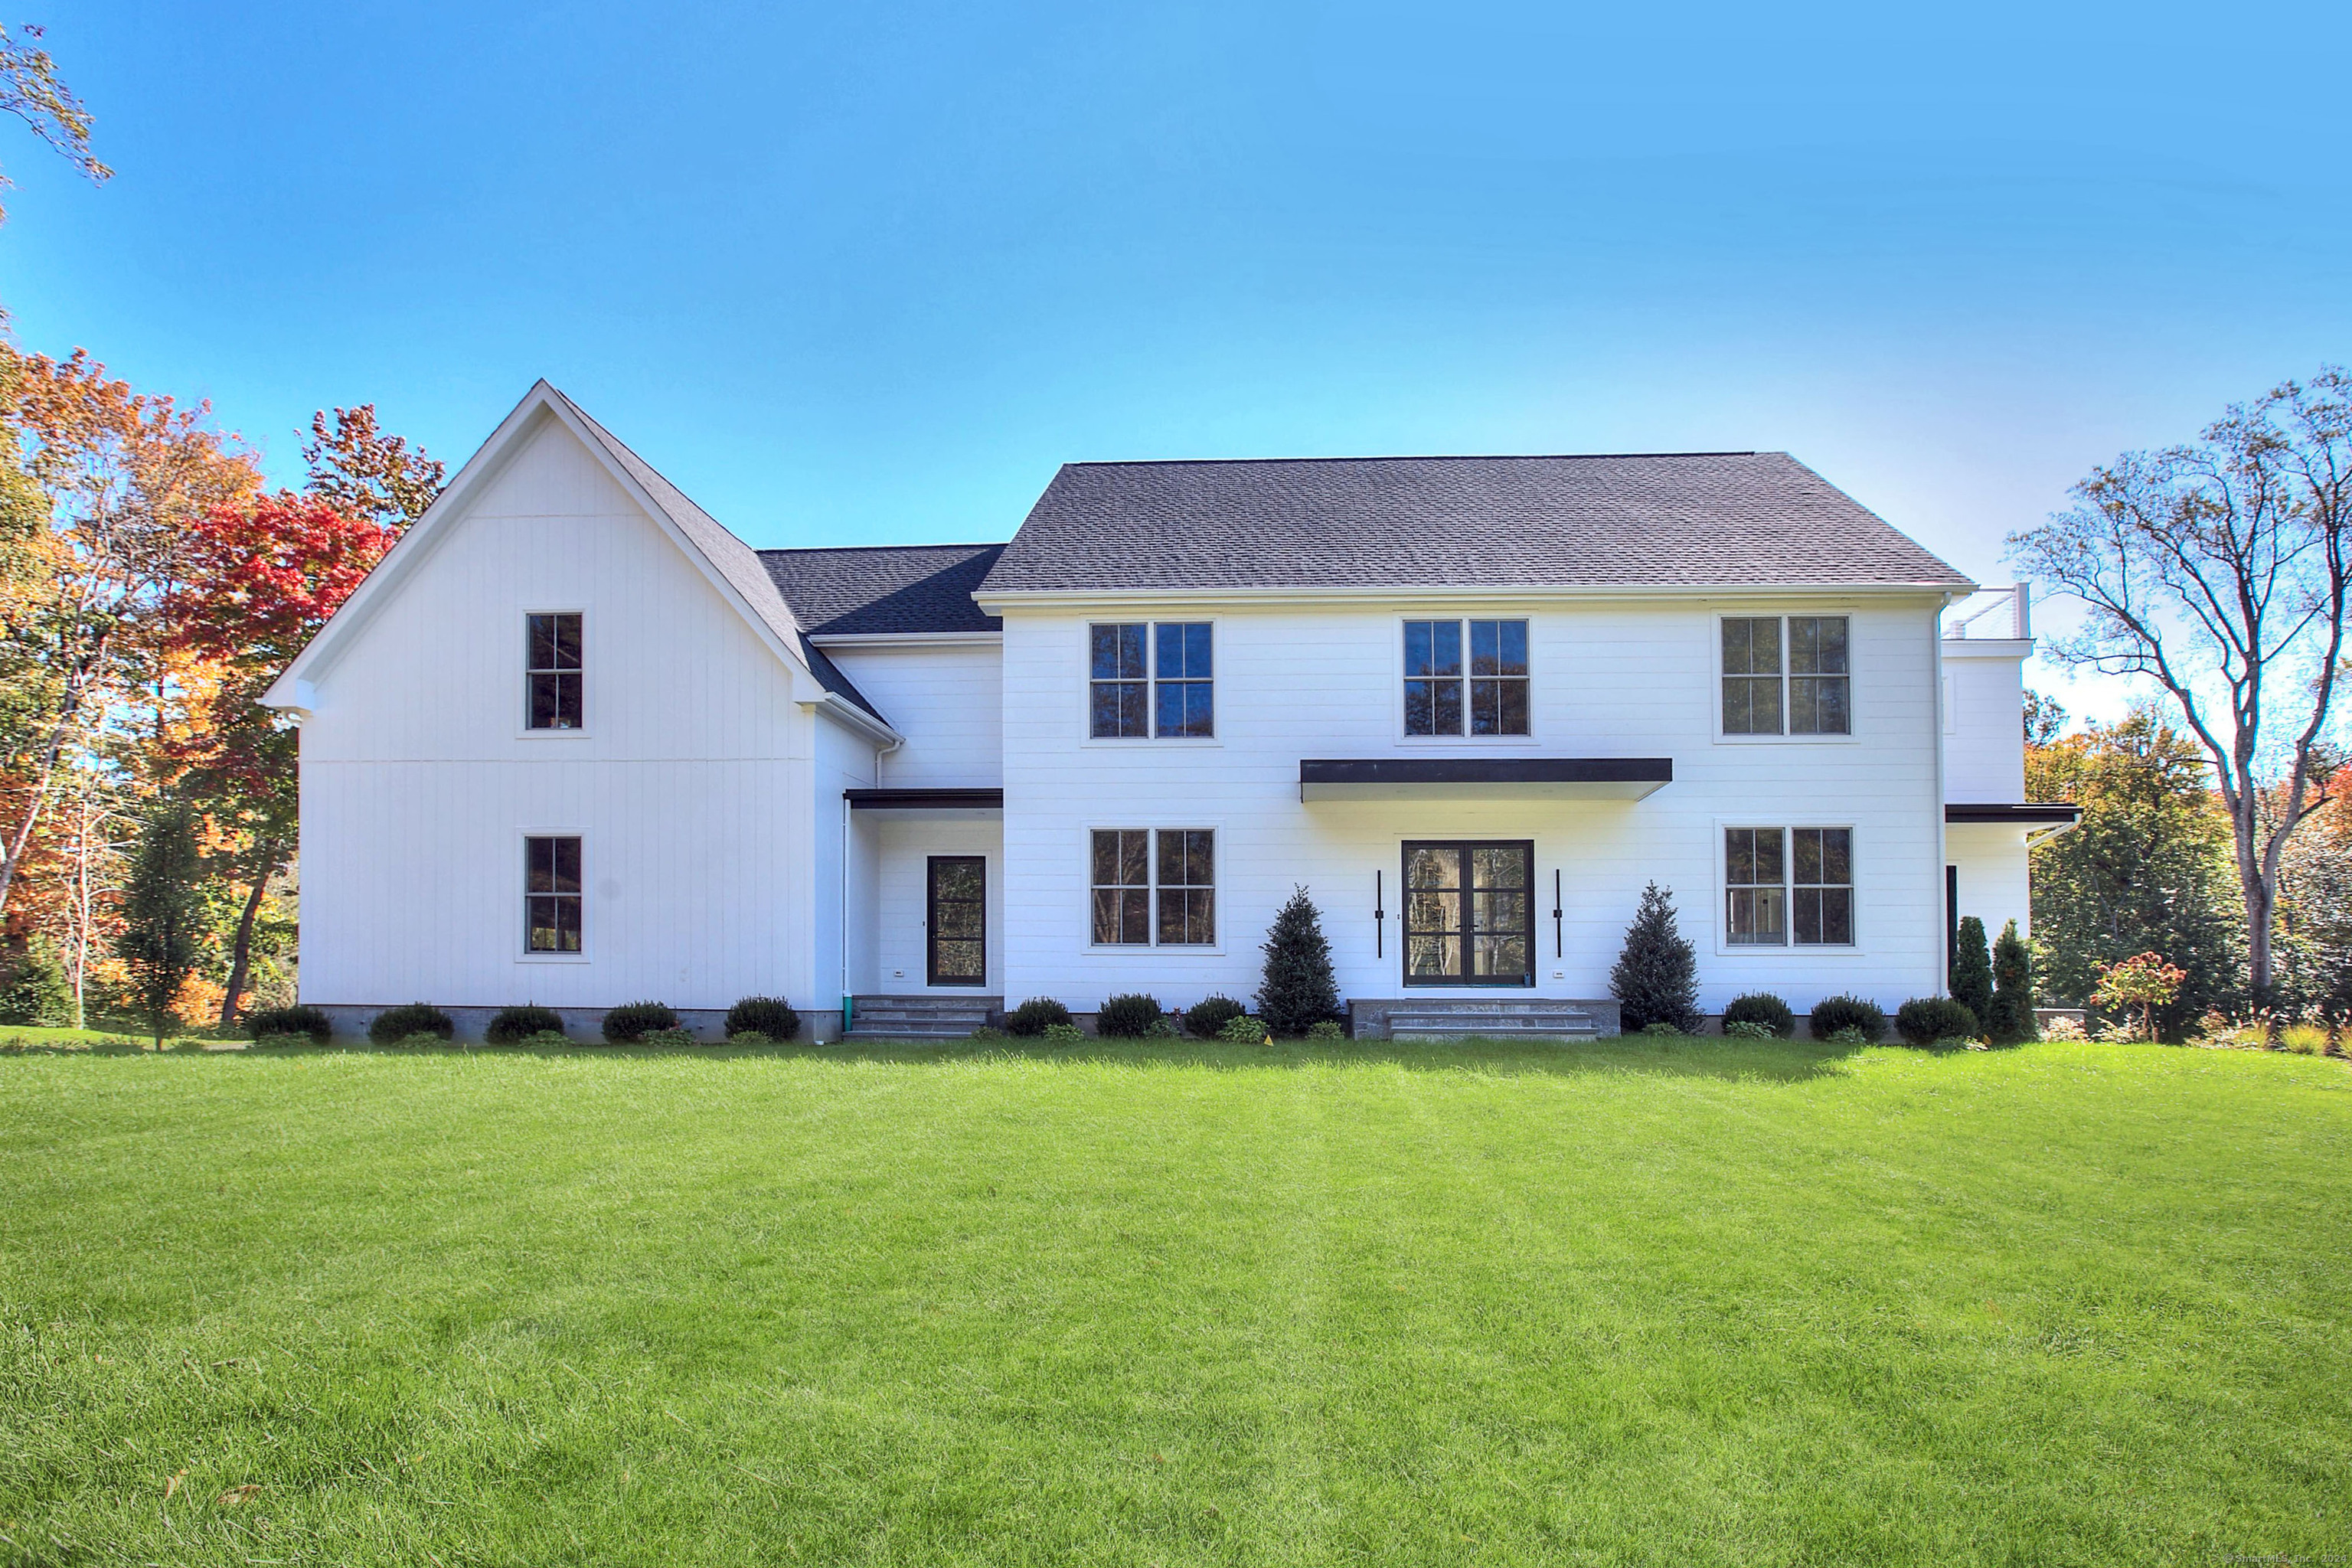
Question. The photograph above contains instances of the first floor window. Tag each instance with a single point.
(551, 894)
(1469, 917)
(1784, 884)
(554, 666)
(1169, 870)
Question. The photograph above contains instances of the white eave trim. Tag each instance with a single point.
(1000, 601)
(850, 716)
(832, 640)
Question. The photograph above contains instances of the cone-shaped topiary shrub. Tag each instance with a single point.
(514, 1024)
(1656, 977)
(1127, 1017)
(1298, 989)
(1866, 1018)
(768, 1016)
(2011, 1020)
(1760, 1007)
(633, 1021)
(1210, 1015)
(1972, 969)
(395, 1025)
(263, 1022)
(1029, 1019)
(1924, 1020)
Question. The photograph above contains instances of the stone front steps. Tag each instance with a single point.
(919, 1018)
(1530, 1019)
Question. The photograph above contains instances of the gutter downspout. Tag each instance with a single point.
(848, 1008)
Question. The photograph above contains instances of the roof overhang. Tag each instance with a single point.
(1483, 778)
(996, 601)
(2026, 814)
(935, 799)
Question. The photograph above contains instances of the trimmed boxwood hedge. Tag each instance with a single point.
(263, 1022)
(1208, 1018)
(633, 1021)
(395, 1025)
(1832, 1013)
(1761, 1007)
(768, 1016)
(1127, 1017)
(513, 1024)
(1029, 1019)
(1924, 1020)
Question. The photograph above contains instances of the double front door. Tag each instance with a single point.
(1469, 912)
(955, 924)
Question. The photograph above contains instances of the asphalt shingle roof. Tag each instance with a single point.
(888, 588)
(1695, 518)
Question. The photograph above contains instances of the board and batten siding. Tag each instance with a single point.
(690, 783)
(1609, 678)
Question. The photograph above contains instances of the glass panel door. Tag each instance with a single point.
(1469, 913)
(957, 926)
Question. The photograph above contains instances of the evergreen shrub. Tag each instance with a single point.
(1924, 1020)
(631, 1021)
(1033, 1017)
(400, 1025)
(1127, 1017)
(1208, 1018)
(1832, 1015)
(312, 1022)
(1760, 1007)
(1972, 970)
(1656, 977)
(513, 1025)
(2011, 1020)
(1298, 989)
(770, 1015)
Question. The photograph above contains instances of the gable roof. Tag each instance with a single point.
(1668, 519)
(893, 588)
(731, 564)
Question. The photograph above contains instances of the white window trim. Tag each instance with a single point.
(1720, 918)
(521, 895)
(1155, 946)
(1853, 680)
(587, 672)
(1534, 736)
(1086, 737)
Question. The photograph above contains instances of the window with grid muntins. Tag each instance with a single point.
(1118, 681)
(1469, 916)
(551, 895)
(553, 661)
(1155, 886)
(1147, 678)
(1490, 697)
(1184, 693)
(1802, 686)
(1789, 885)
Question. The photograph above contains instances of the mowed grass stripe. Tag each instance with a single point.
(1632, 1302)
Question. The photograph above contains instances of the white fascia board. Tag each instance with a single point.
(850, 716)
(1003, 601)
(1986, 647)
(832, 640)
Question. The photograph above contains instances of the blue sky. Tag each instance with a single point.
(866, 275)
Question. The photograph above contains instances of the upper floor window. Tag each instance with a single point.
(1485, 695)
(1784, 884)
(1145, 678)
(1786, 675)
(554, 666)
(551, 894)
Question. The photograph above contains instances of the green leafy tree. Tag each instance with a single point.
(163, 912)
(1972, 968)
(2147, 868)
(1656, 977)
(1298, 990)
(2011, 1018)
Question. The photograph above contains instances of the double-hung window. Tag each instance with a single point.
(1483, 694)
(550, 895)
(552, 667)
(1155, 886)
(1787, 676)
(1147, 678)
(1788, 884)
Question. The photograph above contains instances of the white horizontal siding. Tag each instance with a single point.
(1608, 681)
(1984, 733)
(1995, 883)
(946, 702)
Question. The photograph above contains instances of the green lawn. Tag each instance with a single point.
(1654, 1302)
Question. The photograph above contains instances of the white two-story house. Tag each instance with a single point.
(574, 743)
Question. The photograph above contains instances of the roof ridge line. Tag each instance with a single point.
(843, 549)
(1416, 457)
